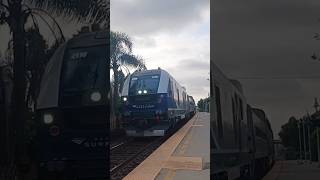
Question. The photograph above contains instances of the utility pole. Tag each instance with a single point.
(308, 121)
(300, 148)
(304, 138)
(316, 104)
(309, 138)
(318, 145)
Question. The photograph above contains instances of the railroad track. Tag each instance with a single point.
(125, 157)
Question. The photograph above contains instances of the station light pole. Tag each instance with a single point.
(316, 106)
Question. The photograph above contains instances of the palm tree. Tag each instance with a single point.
(16, 13)
(121, 57)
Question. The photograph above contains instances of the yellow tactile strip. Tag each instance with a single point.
(187, 163)
(150, 167)
(197, 125)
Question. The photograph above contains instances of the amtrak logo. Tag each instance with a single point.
(143, 106)
(92, 143)
(78, 140)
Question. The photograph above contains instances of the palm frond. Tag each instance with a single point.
(3, 12)
(55, 25)
(92, 11)
(132, 60)
(120, 42)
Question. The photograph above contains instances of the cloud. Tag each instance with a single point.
(140, 17)
(194, 64)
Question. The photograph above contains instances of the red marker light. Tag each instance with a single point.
(54, 130)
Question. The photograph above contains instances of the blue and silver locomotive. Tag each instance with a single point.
(153, 102)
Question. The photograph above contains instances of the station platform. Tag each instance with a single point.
(184, 156)
(292, 170)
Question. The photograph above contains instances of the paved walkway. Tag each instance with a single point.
(292, 170)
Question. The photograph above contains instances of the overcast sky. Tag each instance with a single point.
(171, 34)
(270, 39)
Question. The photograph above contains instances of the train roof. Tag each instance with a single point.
(259, 112)
(218, 73)
(89, 39)
(148, 72)
(237, 84)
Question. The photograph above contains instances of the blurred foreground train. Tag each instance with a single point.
(73, 110)
(241, 136)
(153, 102)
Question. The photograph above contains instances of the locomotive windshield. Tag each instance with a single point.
(84, 68)
(147, 84)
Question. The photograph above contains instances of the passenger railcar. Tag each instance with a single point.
(192, 106)
(153, 102)
(73, 109)
(263, 137)
(241, 136)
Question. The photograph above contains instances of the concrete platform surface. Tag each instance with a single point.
(196, 144)
(184, 156)
(292, 170)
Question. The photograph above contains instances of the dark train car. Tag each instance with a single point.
(153, 102)
(263, 138)
(191, 106)
(235, 130)
(73, 109)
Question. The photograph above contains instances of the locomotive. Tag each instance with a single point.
(153, 102)
(73, 109)
(241, 136)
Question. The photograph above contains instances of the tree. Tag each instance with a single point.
(289, 134)
(121, 57)
(36, 60)
(200, 104)
(203, 104)
(16, 13)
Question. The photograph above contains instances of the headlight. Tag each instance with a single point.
(145, 91)
(125, 99)
(139, 92)
(95, 96)
(48, 118)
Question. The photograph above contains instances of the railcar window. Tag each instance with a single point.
(146, 84)
(170, 88)
(241, 109)
(260, 133)
(184, 99)
(84, 68)
(178, 96)
(219, 113)
(234, 115)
